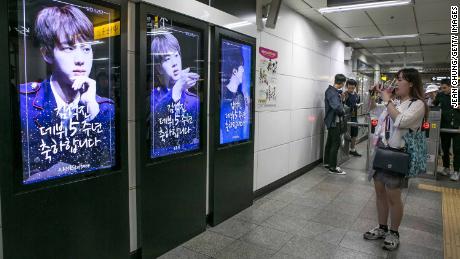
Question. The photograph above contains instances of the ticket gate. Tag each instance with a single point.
(433, 142)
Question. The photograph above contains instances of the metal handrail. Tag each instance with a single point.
(359, 124)
(450, 130)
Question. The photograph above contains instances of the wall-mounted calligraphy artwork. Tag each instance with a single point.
(175, 66)
(267, 85)
(67, 83)
(235, 100)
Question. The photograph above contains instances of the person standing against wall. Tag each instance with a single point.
(352, 100)
(333, 113)
(450, 119)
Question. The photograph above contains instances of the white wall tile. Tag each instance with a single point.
(300, 154)
(273, 129)
(303, 93)
(300, 124)
(302, 65)
(272, 164)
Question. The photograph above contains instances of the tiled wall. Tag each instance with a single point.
(290, 135)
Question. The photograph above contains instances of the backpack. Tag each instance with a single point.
(416, 146)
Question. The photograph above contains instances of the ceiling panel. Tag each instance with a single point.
(316, 3)
(350, 19)
(442, 26)
(437, 47)
(433, 10)
(374, 43)
(362, 31)
(408, 27)
(435, 39)
(436, 59)
(296, 4)
(393, 15)
(404, 42)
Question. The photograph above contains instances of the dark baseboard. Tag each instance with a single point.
(278, 183)
(137, 254)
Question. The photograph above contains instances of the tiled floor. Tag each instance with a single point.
(322, 216)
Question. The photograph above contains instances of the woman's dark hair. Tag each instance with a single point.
(412, 76)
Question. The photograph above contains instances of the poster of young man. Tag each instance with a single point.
(175, 77)
(235, 102)
(67, 127)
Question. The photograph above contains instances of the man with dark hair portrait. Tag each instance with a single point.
(234, 115)
(66, 127)
(174, 108)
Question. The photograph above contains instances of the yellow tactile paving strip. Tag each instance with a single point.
(450, 218)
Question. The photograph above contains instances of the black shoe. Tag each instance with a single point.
(354, 153)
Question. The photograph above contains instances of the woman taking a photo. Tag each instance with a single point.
(399, 118)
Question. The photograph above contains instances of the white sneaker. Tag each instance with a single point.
(454, 176)
(445, 171)
(337, 170)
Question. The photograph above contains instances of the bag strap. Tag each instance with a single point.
(387, 127)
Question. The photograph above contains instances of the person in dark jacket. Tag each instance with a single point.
(352, 100)
(333, 112)
(450, 119)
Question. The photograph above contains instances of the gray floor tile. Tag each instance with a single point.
(434, 204)
(425, 194)
(284, 196)
(409, 251)
(304, 212)
(269, 205)
(208, 243)
(333, 236)
(369, 211)
(420, 238)
(354, 197)
(285, 223)
(280, 255)
(267, 237)
(345, 253)
(239, 249)
(254, 215)
(313, 229)
(183, 253)
(321, 194)
(308, 248)
(434, 215)
(354, 240)
(422, 224)
(352, 209)
(311, 201)
(335, 219)
(234, 228)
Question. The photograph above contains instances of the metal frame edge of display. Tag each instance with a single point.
(51, 199)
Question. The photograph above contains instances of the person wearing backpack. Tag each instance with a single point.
(399, 121)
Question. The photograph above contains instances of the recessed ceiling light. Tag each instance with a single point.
(352, 7)
(387, 37)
